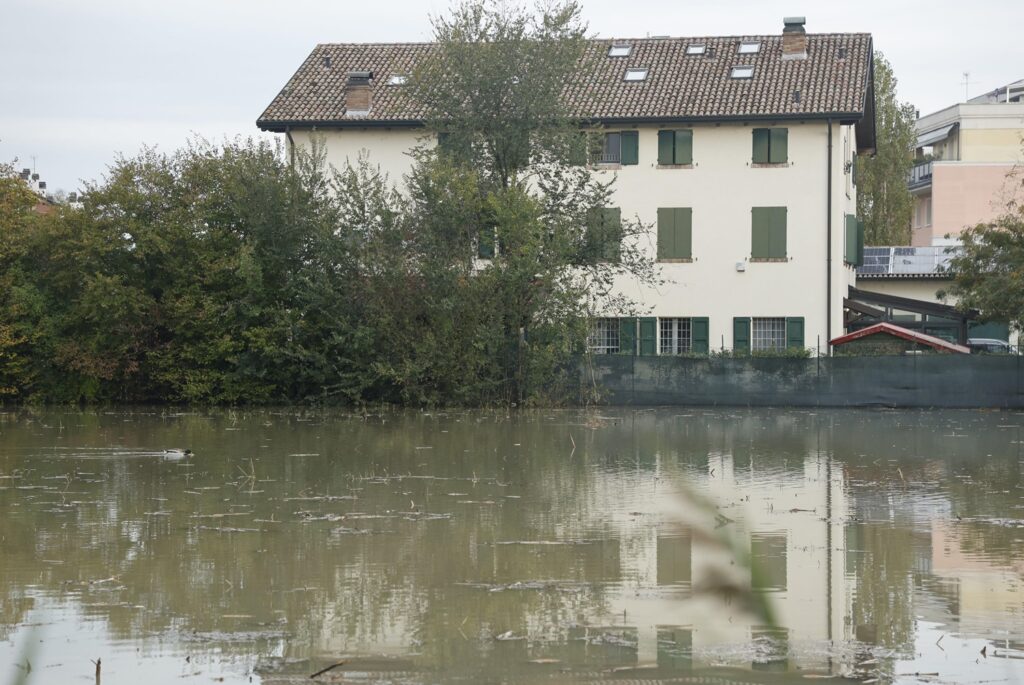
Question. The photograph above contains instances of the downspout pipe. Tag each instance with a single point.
(828, 255)
(291, 145)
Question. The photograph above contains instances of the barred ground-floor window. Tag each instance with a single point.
(768, 333)
(604, 336)
(676, 336)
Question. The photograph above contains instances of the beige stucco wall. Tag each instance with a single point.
(721, 188)
(922, 289)
(993, 145)
(964, 194)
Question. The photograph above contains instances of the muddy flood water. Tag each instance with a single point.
(662, 545)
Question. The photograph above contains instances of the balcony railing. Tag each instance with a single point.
(881, 262)
(920, 175)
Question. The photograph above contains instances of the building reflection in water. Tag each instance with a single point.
(484, 545)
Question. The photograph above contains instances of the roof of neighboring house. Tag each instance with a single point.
(835, 80)
(903, 333)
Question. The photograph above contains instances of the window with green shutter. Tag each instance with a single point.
(741, 334)
(630, 147)
(768, 233)
(675, 233)
(850, 240)
(485, 242)
(627, 335)
(604, 235)
(771, 145)
(648, 336)
(795, 332)
(700, 332)
(675, 147)
(860, 243)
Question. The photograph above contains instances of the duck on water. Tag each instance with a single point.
(177, 454)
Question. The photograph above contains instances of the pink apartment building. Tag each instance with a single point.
(976, 148)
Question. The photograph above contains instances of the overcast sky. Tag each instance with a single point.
(81, 81)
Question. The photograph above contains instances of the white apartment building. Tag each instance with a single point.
(738, 151)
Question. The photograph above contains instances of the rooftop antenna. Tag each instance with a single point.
(967, 83)
(33, 164)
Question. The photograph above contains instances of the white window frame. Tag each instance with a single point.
(748, 47)
(397, 80)
(675, 335)
(620, 50)
(696, 49)
(743, 72)
(636, 74)
(604, 336)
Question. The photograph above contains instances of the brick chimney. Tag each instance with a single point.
(794, 38)
(358, 96)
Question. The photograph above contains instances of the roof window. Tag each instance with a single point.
(620, 50)
(695, 49)
(742, 72)
(636, 74)
(749, 47)
(397, 80)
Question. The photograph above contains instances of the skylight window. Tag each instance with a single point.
(749, 47)
(742, 72)
(636, 74)
(620, 50)
(696, 49)
(397, 80)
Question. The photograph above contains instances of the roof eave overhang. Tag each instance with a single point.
(867, 128)
(280, 126)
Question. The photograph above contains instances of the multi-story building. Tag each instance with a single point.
(968, 151)
(738, 151)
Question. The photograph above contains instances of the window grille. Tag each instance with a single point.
(676, 336)
(769, 334)
(604, 336)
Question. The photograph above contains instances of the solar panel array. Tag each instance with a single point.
(907, 261)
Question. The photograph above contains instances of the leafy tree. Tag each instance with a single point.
(506, 184)
(883, 201)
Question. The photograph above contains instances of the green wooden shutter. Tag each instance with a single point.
(485, 243)
(700, 335)
(795, 332)
(666, 233)
(627, 335)
(611, 230)
(779, 146)
(850, 240)
(630, 147)
(777, 248)
(578, 150)
(648, 336)
(860, 243)
(684, 147)
(761, 136)
(666, 146)
(683, 232)
(760, 232)
(741, 334)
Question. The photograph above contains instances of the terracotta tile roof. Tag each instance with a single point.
(833, 80)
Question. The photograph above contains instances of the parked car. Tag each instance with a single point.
(990, 346)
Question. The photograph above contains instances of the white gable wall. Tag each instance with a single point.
(721, 189)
